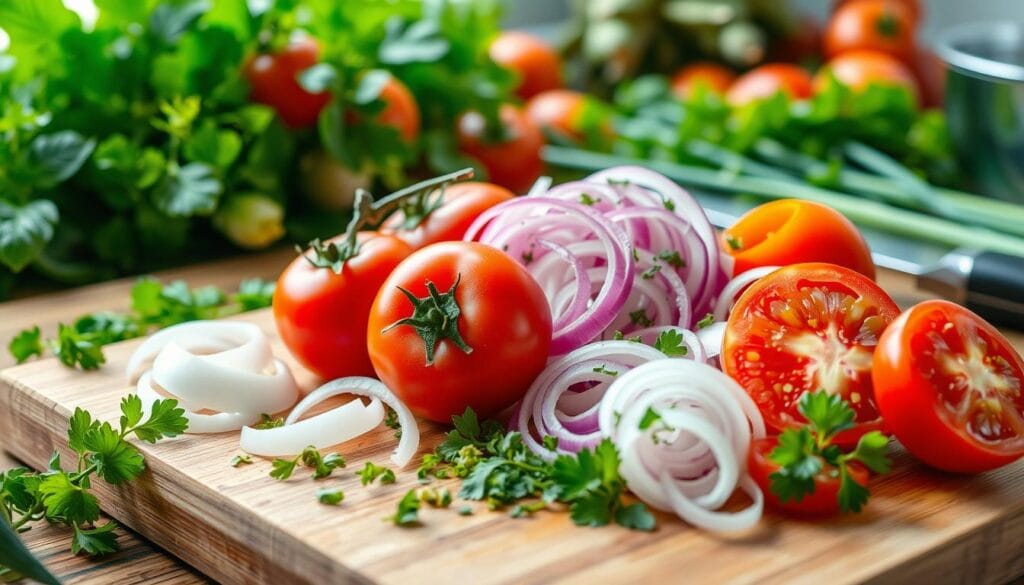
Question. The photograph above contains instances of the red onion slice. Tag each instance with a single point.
(734, 289)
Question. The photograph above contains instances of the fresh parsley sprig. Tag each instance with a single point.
(804, 453)
(500, 469)
(370, 472)
(153, 306)
(102, 450)
(322, 465)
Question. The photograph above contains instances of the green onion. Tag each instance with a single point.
(865, 212)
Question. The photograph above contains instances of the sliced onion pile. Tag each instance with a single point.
(563, 401)
(336, 425)
(692, 457)
(222, 373)
(623, 250)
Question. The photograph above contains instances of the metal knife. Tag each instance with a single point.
(989, 283)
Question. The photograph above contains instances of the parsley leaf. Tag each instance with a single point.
(438, 498)
(636, 517)
(268, 422)
(706, 321)
(240, 460)
(371, 472)
(670, 342)
(282, 469)
(165, 420)
(74, 349)
(407, 513)
(26, 344)
(330, 496)
(804, 454)
(95, 541)
(64, 500)
(131, 411)
(116, 460)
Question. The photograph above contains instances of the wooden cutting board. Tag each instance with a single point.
(240, 526)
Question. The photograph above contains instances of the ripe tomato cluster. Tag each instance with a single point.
(865, 42)
(944, 382)
(384, 308)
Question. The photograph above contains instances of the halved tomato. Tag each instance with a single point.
(822, 501)
(803, 328)
(951, 388)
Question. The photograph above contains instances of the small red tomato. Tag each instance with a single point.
(804, 328)
(273, 80)
(538, 65)
(400, 110)
(321, 315)
(457, 325)
(951, 388)
(512, 161)
(859, 69)
(824, 501)
(462, 203)
(714, 77)
(791, 231)
(767, 80)
(878, 25)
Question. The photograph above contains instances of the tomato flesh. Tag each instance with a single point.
(803, 328)
(952, 388)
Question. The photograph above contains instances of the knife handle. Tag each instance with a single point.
(995, 288)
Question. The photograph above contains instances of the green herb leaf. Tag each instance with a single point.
(131, 412)
(282, 469)
(95, 541)
(240, 460)
(827, 413)
(330, 496)
(706, 321)
(852, 495)
(26, 344)
(670, 342)
(268, 422)
(165, 420)
(408, 510)
(871, 451)
(74, 349)
(67, 501)
(25, 231)
(59, 155)
(116, 460)
(192, 190)
(371, 472)
(635, 517)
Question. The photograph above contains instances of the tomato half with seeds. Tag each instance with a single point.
(823, 501)
(456, 325)
(951, 388)
(803, 328)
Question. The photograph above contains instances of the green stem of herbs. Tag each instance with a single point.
(866, 213)
(82, 474)
(26, 517)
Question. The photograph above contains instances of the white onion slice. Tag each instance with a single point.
(198, 423)
(242, 338)
(326, 429)
(361, 386)
(734, 289)
(224, 367)
(693, 457)
(201, 381)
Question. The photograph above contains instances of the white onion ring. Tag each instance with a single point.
(361, 386)
(235, 338)
(326, 429)
(733, 290)
(694, 458)
(225, 367)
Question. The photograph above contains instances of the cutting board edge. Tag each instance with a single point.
(54, 429)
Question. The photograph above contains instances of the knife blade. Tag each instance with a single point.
(988, 283)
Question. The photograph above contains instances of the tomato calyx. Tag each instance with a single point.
(418, 208)
(435, 317)
(367, 212)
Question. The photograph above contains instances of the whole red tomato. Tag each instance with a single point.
(767, 80)
(538, 65)
(512, 161)
(400, 110)
(476, 335)
(823, 501)
(321, 315)
(790, 231)
(912, 6)
(878, 25)
(714, 77)
(951, 388)
(857, 69)
(273, 80)
(461, 204)
(804, 328)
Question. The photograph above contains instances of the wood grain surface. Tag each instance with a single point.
(240, 526)
(138, 561)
